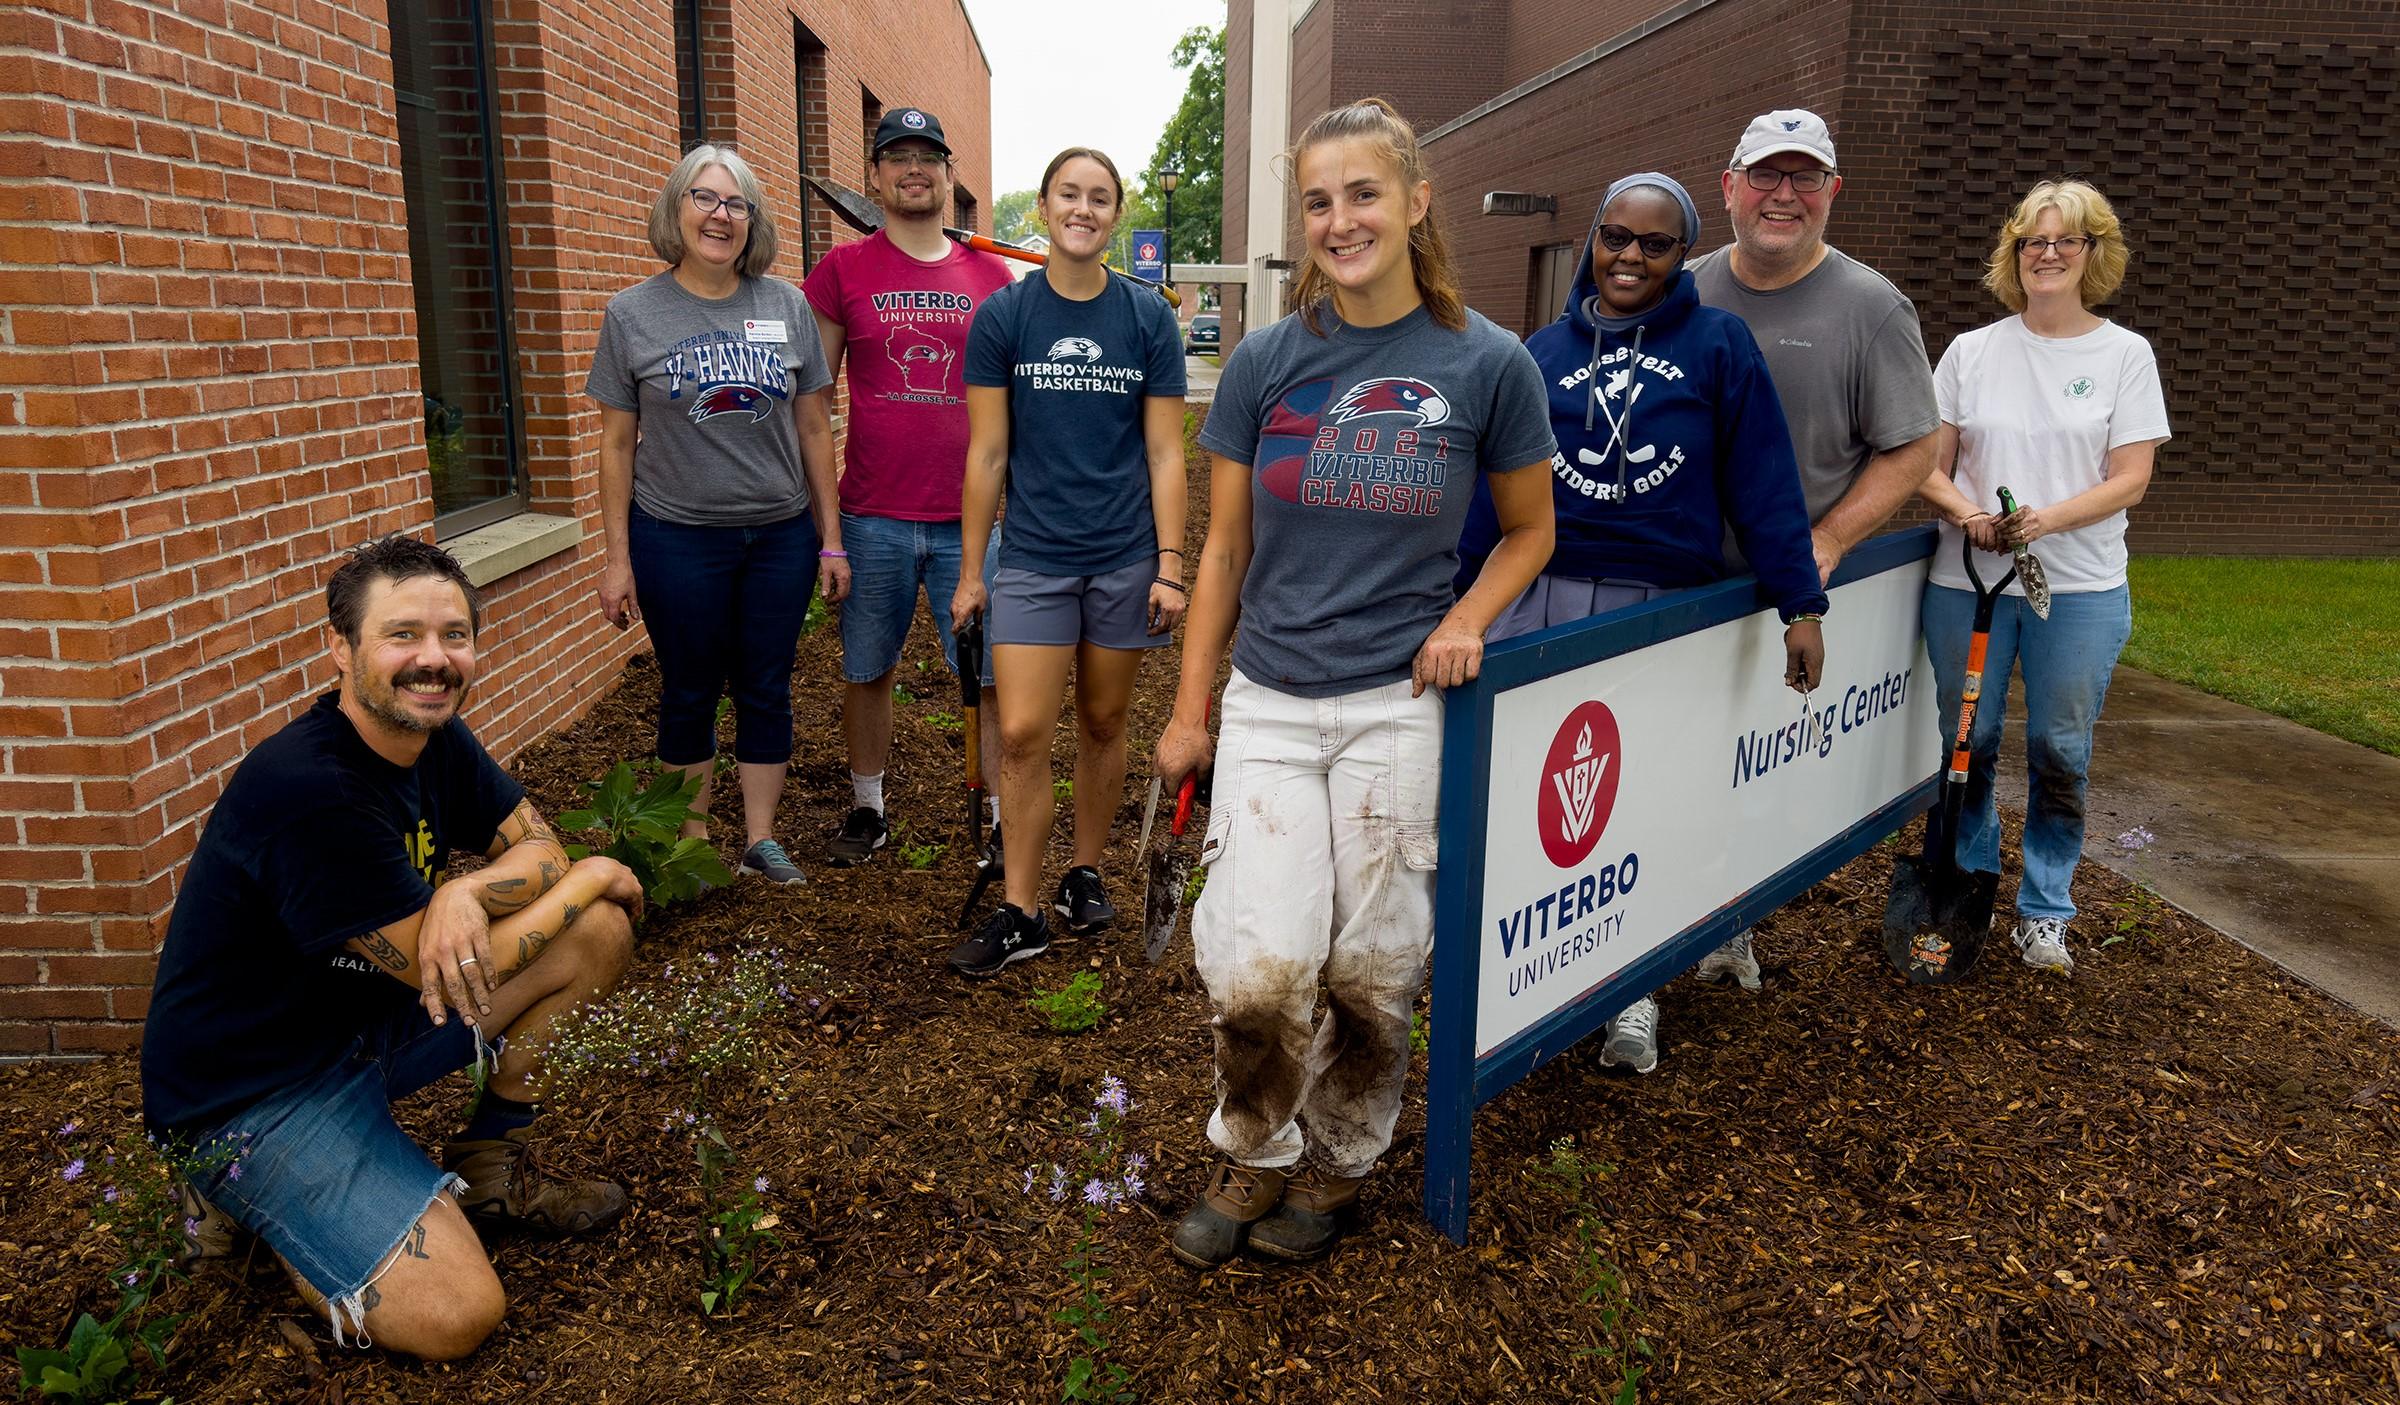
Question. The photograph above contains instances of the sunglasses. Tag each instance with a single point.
(1614, 238)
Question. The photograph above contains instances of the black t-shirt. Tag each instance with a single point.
(316, 840)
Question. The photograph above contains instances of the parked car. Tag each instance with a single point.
(1200, 336)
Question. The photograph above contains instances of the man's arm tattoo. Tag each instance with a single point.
(380, 948)
(506, 895)
(532, 944)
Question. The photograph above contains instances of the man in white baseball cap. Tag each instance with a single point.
(1848, 362)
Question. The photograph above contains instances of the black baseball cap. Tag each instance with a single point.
(901, 123)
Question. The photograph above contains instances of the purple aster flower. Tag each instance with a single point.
(109, 1194)
(1134, 1185)
(132, 1278)
(191, 1229)
(1058, 1183)
(74, 1125)
(759, 1185)
(1135, 1161)
(1112, 1095)
(1095, 1191)
(2136, 839)
(234, 1171)
(74, 1170)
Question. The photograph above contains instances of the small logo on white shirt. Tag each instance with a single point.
(1074, 349)
(1795, 341)
(2080, 388)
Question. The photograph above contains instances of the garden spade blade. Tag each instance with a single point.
(1166, 870)
(2029, 569)
(1149, 816)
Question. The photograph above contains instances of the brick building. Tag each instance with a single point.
(277, 275)
(2247, 146)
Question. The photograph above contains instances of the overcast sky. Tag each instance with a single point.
(1081, 75)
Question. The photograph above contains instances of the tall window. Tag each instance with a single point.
(962, 207)
(458, 261)
(808, 77)
(691, 97)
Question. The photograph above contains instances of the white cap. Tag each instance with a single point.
(1789, 129)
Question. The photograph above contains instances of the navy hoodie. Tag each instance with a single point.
(1687, 414)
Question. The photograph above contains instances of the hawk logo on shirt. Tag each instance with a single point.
(1074, 349)
(1391, 395)
(732, 400)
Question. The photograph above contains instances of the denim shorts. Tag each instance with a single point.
(1111, 610)
(325, 1176)
(889, 560)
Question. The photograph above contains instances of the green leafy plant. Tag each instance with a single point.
(136, 1204)
(2139, 914)
(1062, 787)
(818, 613)
(1074, 1007)
(922, 856)
(1420, 1032)
(725, 761)
(1601, 1284)
(643, 824)
(901, 694)
(1105, 1177)
(947, 721)
(1193, 885)
(702, 1019)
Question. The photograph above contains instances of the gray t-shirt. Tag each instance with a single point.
(1363, 446)
(713, 383)
(1848, 362)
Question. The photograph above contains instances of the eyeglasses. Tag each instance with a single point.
(914, 160)
(2067, 246)
(1614, 238)
(1807, 182)
(708, 202)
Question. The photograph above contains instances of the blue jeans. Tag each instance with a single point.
(724, 605)
(889, 560)
(2067, 659)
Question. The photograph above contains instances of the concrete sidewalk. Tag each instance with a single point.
(2285, 839)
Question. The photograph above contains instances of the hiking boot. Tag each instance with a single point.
(505, 1190)
(1083, 905)
(863, 832)
(1633, 1037)
(1009, 934)
(1215, 1229)
(2042, 942)
(208, 1232)
(1315, 1210)
(766, 859)
(1732, 959)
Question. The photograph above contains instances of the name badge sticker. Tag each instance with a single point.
(758, 329)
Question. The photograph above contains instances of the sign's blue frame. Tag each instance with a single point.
(1458, 1082)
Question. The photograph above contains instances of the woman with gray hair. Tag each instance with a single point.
(1668, 432)
(717, 494)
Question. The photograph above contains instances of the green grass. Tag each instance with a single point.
(2308, 639)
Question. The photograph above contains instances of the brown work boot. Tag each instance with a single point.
(505, 1191)
(1237, 1198)
(1315, 1209)
(208, 1232)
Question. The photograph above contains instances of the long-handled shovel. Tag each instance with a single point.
(2029, 567)
(970, 696)
(1166, 869)
(865, 216)
(1939, 914)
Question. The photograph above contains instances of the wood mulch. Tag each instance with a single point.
(2171, 1178)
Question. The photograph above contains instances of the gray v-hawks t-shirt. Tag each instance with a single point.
(1363, 446)
(1848, 361)
(713, 383)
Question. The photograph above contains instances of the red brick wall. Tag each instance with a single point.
(209, 388)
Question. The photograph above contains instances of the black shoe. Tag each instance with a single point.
(863, 832)
(1009, 934)
(1083, 906)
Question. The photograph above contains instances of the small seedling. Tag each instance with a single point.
(901, 694)
(947, 721)
(1062, 787)
(1074, 1007)
(921, 856)
(1420, 1032)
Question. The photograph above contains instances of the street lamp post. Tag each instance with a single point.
(1168, 179)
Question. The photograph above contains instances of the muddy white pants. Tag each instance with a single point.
(1320, 855)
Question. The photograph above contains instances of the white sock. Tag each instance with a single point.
(991, 803)
(867, 791)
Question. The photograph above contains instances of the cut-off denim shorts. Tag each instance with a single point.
(325, 1176)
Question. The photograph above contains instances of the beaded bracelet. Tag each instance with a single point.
(1807, 619)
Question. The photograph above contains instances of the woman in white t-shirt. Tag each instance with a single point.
(2061, 407)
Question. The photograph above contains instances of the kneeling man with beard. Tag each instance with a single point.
(320, 964)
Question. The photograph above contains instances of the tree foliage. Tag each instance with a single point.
(1013, 218)
(1194, 142)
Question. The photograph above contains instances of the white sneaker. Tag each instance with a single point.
(2042, 942)
(1732, 959)
(1632, 1037)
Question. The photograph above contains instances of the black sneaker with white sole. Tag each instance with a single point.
(1010, 934)
(1083, 906)
(863, 832)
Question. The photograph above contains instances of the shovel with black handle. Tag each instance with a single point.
(1939, 914)
(970, 696)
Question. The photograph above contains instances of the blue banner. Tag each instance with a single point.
(1150, 254)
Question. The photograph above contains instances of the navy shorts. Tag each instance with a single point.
(1111, 610)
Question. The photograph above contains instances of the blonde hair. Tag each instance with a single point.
(2084, 210)
(666, 216)
(1377, 121)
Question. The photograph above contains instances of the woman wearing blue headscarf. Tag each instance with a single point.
(1669, 432)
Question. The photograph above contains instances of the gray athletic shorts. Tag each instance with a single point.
(1111, 610)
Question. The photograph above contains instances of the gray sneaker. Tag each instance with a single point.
(766, 859)
(1732, 959)
(2042, 942)
(1633, 1037)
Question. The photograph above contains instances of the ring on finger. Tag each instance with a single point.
(469, 961)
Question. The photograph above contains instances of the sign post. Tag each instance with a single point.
(1149, 254)
(1621, 795)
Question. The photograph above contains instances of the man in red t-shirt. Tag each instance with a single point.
(896, 305)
